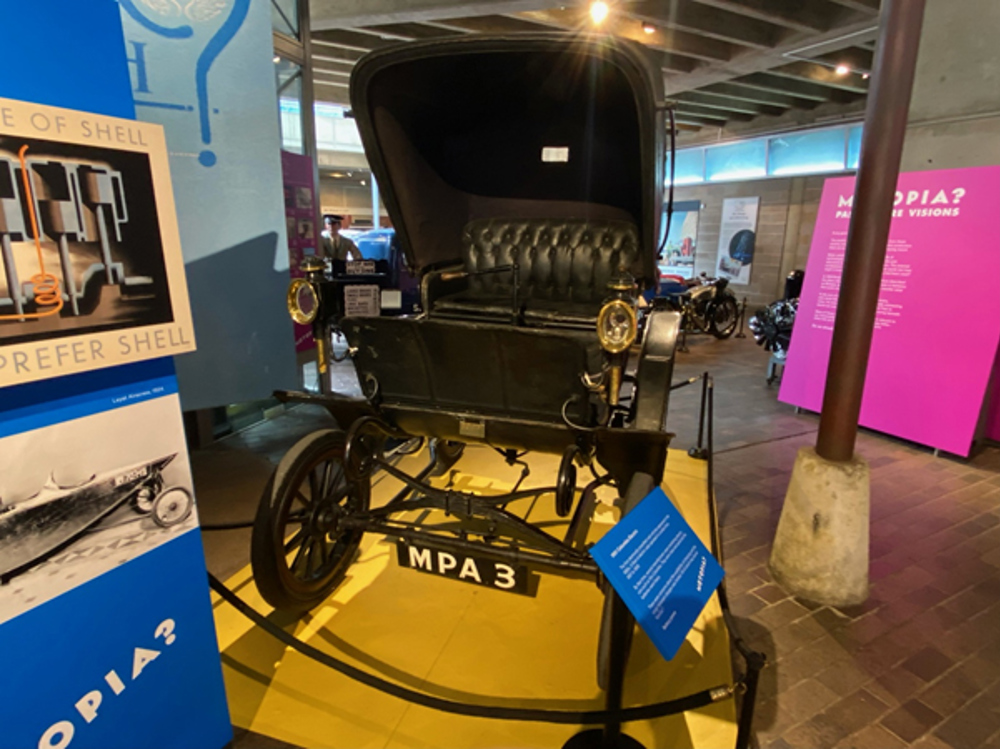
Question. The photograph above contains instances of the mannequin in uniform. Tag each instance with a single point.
(335, 246)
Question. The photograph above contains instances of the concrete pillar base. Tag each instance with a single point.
(820, 550)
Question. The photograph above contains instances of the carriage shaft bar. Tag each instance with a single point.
(878, 171)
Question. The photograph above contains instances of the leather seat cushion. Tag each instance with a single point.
(564, 260)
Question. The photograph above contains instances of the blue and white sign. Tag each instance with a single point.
(105, 622)
(661, 570)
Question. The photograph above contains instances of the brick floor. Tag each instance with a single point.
(917, 665)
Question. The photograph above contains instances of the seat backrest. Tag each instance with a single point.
(567, 260)
(481, 368)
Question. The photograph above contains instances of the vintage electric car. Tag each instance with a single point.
(34, 528)
(524, 177)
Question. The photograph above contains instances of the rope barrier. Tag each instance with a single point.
(536, 715)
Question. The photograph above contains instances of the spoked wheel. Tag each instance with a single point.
(172, 506)
(299, 551)
(640, 485)
(723, 314)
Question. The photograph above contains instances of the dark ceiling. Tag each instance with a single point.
(723, 60)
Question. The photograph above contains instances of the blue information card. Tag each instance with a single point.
(661, 570)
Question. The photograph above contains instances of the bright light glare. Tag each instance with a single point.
(817, 167)
(736, 174)
(649, 28)
(842, 70)
(598, 12)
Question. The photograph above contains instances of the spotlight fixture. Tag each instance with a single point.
(649, 28)
(842, 69)
(276, 59)
(599, 11)
(865, 76)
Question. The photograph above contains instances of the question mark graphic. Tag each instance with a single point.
(165, 629)
(958, 193)
(212, 50)
(197, 10)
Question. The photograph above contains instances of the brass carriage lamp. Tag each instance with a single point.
(617, 327)
(303, 303)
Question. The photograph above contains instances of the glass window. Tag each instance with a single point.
(853, 147)
(744, 160)
(807, 153)
(335, 131)
(690, 167)
(285, 17)
(289, 80)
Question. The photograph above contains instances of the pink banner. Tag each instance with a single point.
(938, 322)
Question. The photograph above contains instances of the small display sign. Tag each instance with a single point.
(362, 300)
(661, 570)
(359, 267)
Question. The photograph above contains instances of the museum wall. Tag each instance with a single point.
(337, 197)
(955, 111)
(788, 208)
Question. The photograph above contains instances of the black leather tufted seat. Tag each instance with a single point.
(564, 264)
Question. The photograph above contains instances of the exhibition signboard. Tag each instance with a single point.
(737, 239)
(938, 321)
(660, 568)
(681, 243)
(91, 272)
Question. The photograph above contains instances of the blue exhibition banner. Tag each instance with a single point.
(660, 568)
(126, 661)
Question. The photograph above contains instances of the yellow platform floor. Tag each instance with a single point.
(468, 643)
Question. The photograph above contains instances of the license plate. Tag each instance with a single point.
(456, 565)
(132, 475)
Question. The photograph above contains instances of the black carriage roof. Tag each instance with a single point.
(518, 126)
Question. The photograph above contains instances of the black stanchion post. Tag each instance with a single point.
(611, 736)
(743, 317)
(699, 450)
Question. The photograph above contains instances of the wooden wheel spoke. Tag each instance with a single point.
(323, 553)
(310, 554)
(314, 485)
(300, 534)
(299, 555)
(303, 499)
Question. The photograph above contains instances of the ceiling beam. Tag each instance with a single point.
(336, 54)
(410, 31)
(627, 26)
(340, 74)
(733, 90)
(826, 76)
(338, 14)
(684, 108)
(690, 119)
(798, 88)
(348, 39)
(709, 22)
(494, 24)
(807, 17)
(758, 62)
(860, 6)
(728, 104)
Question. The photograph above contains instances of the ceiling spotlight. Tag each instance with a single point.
(363, 183)
(276, 59)
(649, 28)
(841, 69)
(599, 11)
(865, 76)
